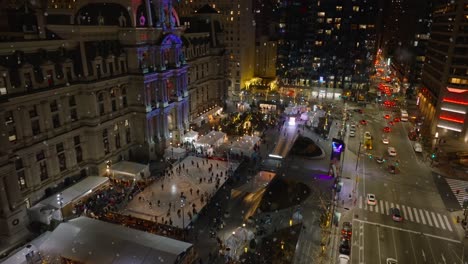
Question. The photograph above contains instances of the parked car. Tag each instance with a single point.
(417, 147)
(392, 261)
(363, 122)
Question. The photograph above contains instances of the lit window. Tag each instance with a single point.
(321, 14)
(356, 8)
(339, 8)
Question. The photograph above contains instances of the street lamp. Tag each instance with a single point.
(60, 203)
(182, 205)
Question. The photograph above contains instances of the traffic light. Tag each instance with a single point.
(433, 156)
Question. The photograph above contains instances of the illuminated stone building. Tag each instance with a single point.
(84, 84)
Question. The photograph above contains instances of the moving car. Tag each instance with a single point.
(380, 160)
(371, 199)
(343, 259)
(391, 151)
(385, 141)
(396, 119)
(347, 230)
(345, 247)
(393, 169)
(386, 116)
(363, 122)
(396, 215)
(417, 147)
(392, 261)
(386, 129)
(352, 133)
(352, 127)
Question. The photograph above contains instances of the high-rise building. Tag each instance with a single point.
(238, 24)
(405, 38)
(84, 84)
(444, 94)
(327, 43)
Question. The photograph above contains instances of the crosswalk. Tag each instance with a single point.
(458, 188)
(412, 214)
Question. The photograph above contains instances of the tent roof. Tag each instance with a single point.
(211, 138)
(245, 143)
(128, 167)
(74, 192)
(191, 134)
(88, 240)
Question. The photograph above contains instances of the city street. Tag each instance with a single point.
(428, 232)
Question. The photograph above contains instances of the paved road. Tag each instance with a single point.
(429, 232)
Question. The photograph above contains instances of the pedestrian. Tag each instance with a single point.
(159, 203)
(162, 186)
(191, 191)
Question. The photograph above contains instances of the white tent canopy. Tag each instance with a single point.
(214, 138)
(125, 168)
(245, 145)
(174, 153)
(87, 240)
(48, 208)
(190, 136)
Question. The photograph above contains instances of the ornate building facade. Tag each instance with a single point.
(84, 84)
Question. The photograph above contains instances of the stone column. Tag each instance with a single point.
(149, 17)
(83, 59)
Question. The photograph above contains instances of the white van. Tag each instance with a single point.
(343, 259)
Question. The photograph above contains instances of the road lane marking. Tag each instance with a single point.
(378, 245)
(435, 219)
(391, 206)
(410, 214)
(387, 209)
(382, 208)
(360, 201)
(441, 222)
(405, 213)
(398, 207)
(371, 208)
(448, 223)
(376, 206)
(408, 230)
(424, 255)
(422, 215)
(429, 221)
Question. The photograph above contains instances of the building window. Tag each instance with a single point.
(71, 100)
(33, 112)
(128, 136)
(105, 141)
(10, 123)
(56, 120)
(73, 115)
(101, 104)
(36, 128)
(78, 154)
(124, 97)
(356, 8)
(113, 101)
(53, 106)
(62, 161)
(59, 147)
(76, 140)
(117, 140)
(43, 170)
(20, 174)
(40, 158)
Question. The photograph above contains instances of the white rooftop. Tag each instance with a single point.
(128, 167)
(88, 240)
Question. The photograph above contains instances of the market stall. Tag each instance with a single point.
(61, 205)
(129, 170)
(212, 139)
(190, 137)
(245, 145)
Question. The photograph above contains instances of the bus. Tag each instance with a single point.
(367, 140)
(404, 115)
